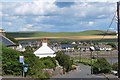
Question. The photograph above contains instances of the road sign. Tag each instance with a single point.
(25, 69)
(21, 59)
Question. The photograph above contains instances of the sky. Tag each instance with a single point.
(57, 16)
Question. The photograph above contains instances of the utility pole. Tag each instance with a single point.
(91, 55)
(118, 39)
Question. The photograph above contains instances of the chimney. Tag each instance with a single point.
(2, 32)
(44, 42)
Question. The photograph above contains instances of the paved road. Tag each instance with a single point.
(83, 71)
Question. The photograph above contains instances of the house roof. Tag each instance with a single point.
(6, 41)
(44, 50)
(67, 46)
(100, 46)
(103, 46)
(84, 46)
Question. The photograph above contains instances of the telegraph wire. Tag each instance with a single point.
(109, 26)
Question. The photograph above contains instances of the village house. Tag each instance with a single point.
(44, 50)
(20, 48)
(84, 48)
(67, 47)
(56, 47)
(6, 41)
(103, 47)
(108, 48)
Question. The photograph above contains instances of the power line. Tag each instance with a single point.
(108, 27)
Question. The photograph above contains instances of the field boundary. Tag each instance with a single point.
(68, 37)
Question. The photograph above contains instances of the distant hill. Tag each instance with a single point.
(57, 34)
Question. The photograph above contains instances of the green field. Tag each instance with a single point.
(57, 34)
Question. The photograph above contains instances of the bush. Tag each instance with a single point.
(64, 60)
(115, 66)
(113, 45)
(12, 66)
(10, 62)
(48, 62)
(101, 66)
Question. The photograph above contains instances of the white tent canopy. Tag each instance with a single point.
(44, 51)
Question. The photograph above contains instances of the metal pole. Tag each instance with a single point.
(91, 63)
(111, 57)
(80, 56)
(23, 70)
(118, 40)
(97, 55)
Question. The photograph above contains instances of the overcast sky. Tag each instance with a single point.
(56, 16)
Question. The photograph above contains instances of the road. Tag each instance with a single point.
(83, 71)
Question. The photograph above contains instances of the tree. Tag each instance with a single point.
(64, 60)
(115, 66)
(12, 66)
(10, 62)
(48, 62)
(101, 66)
(113, 45)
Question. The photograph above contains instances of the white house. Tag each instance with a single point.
(20, 48)
(84, 48)
(73, 42)
(44, 51)
(108, 48)
(103, 47)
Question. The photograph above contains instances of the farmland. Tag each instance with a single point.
(84, 35)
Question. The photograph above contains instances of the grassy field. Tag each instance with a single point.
(57, 34)
(84, 35)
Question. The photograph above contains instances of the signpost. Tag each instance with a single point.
(25, 66)
(21, 59)
(25, 69)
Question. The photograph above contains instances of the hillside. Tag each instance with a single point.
(57, 34)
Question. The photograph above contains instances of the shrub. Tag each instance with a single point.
(101, 66)
(64, 60)
(10, 62)
(113, 45)
(115, 66)
(12, 66)
(48, 62)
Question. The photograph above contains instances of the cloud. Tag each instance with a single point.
(91, 23)
(88, 1)
(47, 16)
(62, 0)
(28, 27)
(112, 28)
(37, 7)
(37, 27)
(9, 23)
